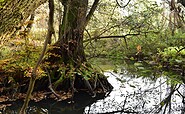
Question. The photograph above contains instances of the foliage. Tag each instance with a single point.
(173, 55)
(120, 22)
(1, 0)
(108, 20)
(113, 32)
(21, 53)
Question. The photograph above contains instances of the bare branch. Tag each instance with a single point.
(124, 5)
(106, 37)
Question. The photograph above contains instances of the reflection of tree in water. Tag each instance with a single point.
(130, 95)
(144, 96)
(81, 100)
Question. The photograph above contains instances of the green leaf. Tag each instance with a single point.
(162, 103)
(141, 68)
(178, 61)
(121, 80)
(86, 78)
(132, 58)
(1, 0)
(138, 64)
(115, 70)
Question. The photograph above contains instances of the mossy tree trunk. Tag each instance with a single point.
(66, 59)
(71, 31)
(14, 12)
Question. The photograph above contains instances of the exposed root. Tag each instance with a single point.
(50, 85)
(95, 82)
(73, 89)
(87, 84)
(63, 80)
(104, 90)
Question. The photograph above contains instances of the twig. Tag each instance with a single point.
(106, 37)
(125, 102)
(124, 5)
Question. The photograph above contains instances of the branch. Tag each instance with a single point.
(105, 37)
(122, 111)
(124, 5)
(167, 99)
(180, 49)
(92, 10)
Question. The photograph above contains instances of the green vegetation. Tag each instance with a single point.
(148, 35)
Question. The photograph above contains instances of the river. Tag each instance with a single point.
(132, 94)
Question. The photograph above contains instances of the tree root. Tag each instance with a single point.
(103, 88)
(87, 84)
(50, 85)
(95, 82)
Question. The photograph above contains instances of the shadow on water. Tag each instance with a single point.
(50, 106)
(138, 89)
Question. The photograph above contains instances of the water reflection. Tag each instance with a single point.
(49, 106)
(140, 96)
(131, 94)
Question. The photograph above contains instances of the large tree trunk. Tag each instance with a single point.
(71, 31)
(66, 59)
(13, 12)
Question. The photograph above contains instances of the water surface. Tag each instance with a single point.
(132, 93)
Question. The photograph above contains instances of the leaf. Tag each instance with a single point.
(121, 80)
(178, 61)
(115, 70)
(138, 64)
(86, 77)
(1, 0)
(132, 58)
(162, 103)
(141, 68)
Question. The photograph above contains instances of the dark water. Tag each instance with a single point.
(132, 94)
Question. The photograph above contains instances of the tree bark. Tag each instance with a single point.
(71, 30)
(14, 12)
(68, 52)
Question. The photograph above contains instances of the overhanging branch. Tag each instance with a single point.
(107, 37)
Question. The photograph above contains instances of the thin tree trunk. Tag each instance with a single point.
(34, 72)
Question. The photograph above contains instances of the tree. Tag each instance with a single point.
(65, 62)
(68, 51)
